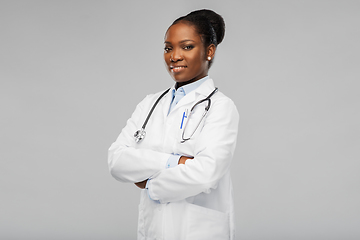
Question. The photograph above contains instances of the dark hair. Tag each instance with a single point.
(209, 25)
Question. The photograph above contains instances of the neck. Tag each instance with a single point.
(180, 84)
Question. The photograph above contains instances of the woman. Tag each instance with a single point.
(182, 164)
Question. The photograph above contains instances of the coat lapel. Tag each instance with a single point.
(166, 103)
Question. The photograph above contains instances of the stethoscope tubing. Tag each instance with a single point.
(153, 107)
(140, 134)
(204, 114)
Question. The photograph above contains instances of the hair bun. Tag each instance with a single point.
(216, 21)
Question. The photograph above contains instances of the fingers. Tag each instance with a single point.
(183, 159)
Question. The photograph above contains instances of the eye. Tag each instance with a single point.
(167, 49)
(188, 47)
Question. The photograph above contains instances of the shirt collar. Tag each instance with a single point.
(192, 86)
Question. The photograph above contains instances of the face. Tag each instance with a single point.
(185, 55)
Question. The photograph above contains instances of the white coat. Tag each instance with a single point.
(195, 198)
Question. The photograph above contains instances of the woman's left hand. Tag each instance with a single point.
(141, 184)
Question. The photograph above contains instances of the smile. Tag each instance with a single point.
(176, 69)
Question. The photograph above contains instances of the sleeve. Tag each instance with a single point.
(214, 146)
(126, 162)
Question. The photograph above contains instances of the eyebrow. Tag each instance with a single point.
(186, 40)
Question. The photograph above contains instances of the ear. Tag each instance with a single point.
(210, 52)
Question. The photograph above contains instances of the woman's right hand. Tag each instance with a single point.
(183, 159)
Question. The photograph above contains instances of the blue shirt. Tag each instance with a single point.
(186, 89)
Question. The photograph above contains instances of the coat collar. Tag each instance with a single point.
(200, 92)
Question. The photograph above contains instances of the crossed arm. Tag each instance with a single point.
(129, 164)
(182, 160)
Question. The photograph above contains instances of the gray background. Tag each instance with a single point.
(73, 71)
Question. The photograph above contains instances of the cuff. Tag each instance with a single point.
(173, 161)
(148, 191)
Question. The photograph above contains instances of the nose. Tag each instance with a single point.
(176, 55)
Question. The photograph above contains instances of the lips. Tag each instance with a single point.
(176, 69)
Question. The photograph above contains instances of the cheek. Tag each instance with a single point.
(198, 60)
(166, 58)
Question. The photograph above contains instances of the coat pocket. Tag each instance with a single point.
(193, 125)
(205, 223)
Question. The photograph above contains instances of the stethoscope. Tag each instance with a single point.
(141, 133)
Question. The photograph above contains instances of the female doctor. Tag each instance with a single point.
(178, 144)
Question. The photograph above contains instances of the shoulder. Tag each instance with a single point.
(220, 100)
(223, 111)
(150, 99)
(155, 96)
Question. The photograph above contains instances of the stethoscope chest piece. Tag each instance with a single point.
(139, 135)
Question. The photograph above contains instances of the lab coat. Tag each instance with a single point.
(191, 201)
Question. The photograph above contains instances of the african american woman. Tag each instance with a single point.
(178, 145)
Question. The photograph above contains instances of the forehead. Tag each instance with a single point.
(181, 31)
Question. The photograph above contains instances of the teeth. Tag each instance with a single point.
(177, 67)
